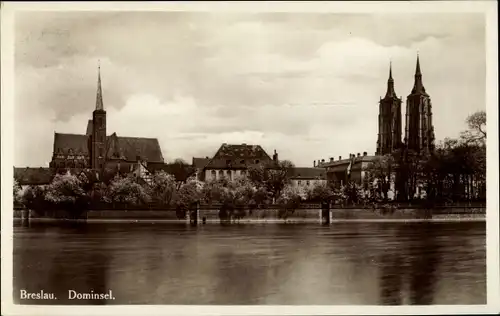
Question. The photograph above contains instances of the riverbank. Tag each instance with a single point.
(268, 215)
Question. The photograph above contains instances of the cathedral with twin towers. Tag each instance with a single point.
(419, 130)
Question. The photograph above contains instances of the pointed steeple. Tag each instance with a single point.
(390, 85)
(417, 71)
(418, 86)
(99, 105)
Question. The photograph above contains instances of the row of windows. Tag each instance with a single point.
(300, 182)
(70, 164)
(227, 173)
(242, 161)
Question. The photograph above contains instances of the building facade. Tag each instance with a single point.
(307, 177)
(99, 151)
(232, 162)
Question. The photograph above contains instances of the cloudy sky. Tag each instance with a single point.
(305, 84)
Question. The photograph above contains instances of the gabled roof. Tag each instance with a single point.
(34, 176)
(63, 143)
(200, 163)
(90, 128)
(307, 173)
(238, 156)
(155, 166)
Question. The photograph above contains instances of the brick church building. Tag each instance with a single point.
(418, 138)
(99, 151)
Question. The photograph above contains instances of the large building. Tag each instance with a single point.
(232, 161)
(97, 150)
(419, 131)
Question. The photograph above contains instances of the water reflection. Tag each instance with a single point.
(343, 263)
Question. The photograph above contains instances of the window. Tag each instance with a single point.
(229, 174)
(214, 174)
(221, 174)
(243, 172)
(242, 161)
(299, 182)
(256, 160)
(307, 182)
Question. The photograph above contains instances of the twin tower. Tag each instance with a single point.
(419, 131)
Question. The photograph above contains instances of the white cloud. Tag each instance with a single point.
(306, 85)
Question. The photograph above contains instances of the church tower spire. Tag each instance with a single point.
(419, 133)
(98, 137)
(390, 84)
(418, 86)
(99, 105)
(389, 119)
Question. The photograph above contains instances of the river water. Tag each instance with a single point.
(344, 263)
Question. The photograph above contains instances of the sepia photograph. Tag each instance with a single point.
(250, 155)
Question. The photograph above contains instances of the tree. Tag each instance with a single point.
(163, 187)
(233, 196)
(321, 192)
(16, 191)
(273, 178)
(33, 198)
(66, 191)
(181, 171)
(290, 198)
(381, 170)
(351, 193)
(190, 193)
(127, 190)
(477, 128)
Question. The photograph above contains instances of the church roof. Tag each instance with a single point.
(200, 163)
(63, 143)
(307, 173)
(238, 156)
(34, 176)
(127, 148)
(90, 126)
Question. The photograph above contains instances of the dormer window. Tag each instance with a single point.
(257, 161)
(242, 161)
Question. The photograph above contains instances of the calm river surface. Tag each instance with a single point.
(343, 263)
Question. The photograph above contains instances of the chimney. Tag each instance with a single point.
(322, 161)
(359, 155)
(365, 153)
(331, 159)
(340, 157)
(275, 156)
(314, 163)
(244, 144)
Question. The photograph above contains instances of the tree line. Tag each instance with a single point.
(454, 171)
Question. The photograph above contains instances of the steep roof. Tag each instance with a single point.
(238, 156)
(200, 163)
(155, 166)
(127, 148)
(34, 176)
(63, 143)
(90, 128)
(307, 173)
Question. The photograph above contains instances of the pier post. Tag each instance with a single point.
(194, 213)
(325, 213)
